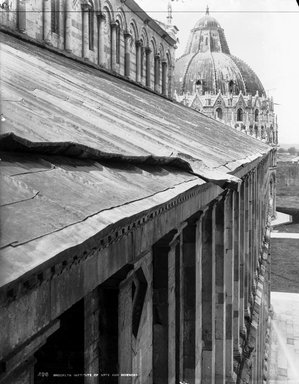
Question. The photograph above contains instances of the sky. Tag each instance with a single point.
(263, 33)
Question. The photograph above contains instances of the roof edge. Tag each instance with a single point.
(10, 142)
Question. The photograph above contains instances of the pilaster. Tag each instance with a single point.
(208, 299)
(68, 26)
(138, 61)
(85, 35)
(157, 73)
(164, 77)
(21, 15)
(101, 38)
(127, 37)
(113, 45)
(229, 267)
(148, 66)
(189, 301)
(220, 294)
(198, 299)
(125, 309)
(47, 20)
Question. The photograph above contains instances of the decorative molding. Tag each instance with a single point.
(12, 293)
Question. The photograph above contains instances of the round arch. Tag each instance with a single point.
(256, 115)
(162, 51)
(121, 18)
(144, 37)
(154, 45)
(219, 113)
(133, 30)
(108, 9)
(240, 114)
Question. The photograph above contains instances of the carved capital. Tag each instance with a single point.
(101, 16)
(86, 6)
(138, 43)
(127, 34)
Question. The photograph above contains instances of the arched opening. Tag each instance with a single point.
(133, 50)
(142, 63)
(240, 114)
(55, 16)
(256, 115)
(199, 86)
(91, 27)
(107, 60)
(219, 113)
(231, 86)
(117, 42)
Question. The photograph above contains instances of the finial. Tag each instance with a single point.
(169, 13)
(207, 10)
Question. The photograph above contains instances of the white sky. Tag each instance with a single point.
(266, 38)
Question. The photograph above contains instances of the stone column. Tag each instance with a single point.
(21, 15)
(164, 77)
(91, 336)
(250, 226)
(157, 73)
(68, 26)
(148, 66)
(242, 262)
(85, 35)
(138, 60)
(125, 308)
(113, 46)
(173, 311)
(229, 269)
(189, 302)
(170, 79)
(246, 246)
(208, 300)
(127, 37)
(220, 313)
(47, 21)
(237, 263)
(101, 38)
(198, 300)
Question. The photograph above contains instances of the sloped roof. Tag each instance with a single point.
(49, 98)
(84, 150)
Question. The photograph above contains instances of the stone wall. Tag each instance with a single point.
(115, 35)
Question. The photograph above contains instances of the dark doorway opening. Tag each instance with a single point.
(61, 359)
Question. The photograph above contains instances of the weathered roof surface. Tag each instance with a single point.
(85, 150)
(45, 195)
(49, 98)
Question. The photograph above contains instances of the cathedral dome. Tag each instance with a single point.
(207, 61)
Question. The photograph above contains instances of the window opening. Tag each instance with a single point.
(55, 16)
